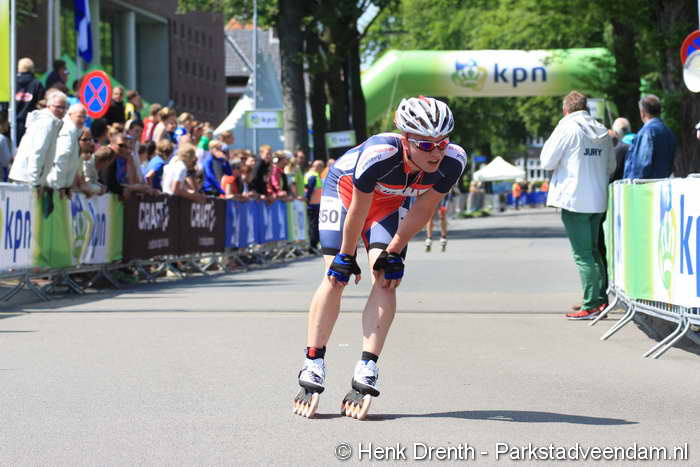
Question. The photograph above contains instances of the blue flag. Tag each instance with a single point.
(84, 29)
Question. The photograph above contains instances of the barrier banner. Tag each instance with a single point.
(53, 231)
(202, 226)
(233, 227)
(279, 221)
(97, 229)
(246, 223)
(296, 221)
(263, 220)
(656, 240)
(151, 227)
(18, 221)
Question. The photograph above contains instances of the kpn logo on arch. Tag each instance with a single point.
(492, 69)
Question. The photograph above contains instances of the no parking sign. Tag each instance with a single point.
(96, 93)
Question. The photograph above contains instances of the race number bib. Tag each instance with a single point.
(329, 217)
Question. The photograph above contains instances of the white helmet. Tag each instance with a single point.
(424, 116)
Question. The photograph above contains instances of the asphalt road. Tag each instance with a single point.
(203, 371)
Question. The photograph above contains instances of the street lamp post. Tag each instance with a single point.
(255, 70)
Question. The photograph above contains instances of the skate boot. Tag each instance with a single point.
(364, 386)
(428, 244)
(311, 379)
(443, 243)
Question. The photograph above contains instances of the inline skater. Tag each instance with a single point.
(384, 191)
(441, 210)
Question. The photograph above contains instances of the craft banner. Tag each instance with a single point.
(97, 229)
(18, 222)
(656, 240)
(202, 226)
(151, 227)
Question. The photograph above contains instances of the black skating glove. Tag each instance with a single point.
(391, 264)
(342, 267)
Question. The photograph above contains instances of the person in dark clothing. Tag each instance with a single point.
(116, 112)
(654, 148)
(28, 93)
(313, 191)
(58, 75)
(262, 170)
(215, 165)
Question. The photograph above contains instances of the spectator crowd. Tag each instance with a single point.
(133, 151)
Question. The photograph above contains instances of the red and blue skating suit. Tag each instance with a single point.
(378, 166)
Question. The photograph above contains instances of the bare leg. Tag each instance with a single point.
(378, 313)
(443, 223)
(429, 228)
(324, 310)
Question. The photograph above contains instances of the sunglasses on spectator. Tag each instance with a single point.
(122, 145)
(94, 140)
(428, 146)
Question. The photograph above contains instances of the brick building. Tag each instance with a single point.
(168, 57)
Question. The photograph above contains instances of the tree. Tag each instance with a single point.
(287, 17)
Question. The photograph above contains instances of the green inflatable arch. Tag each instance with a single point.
(481, 73)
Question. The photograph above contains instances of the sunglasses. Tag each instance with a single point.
(94, 140)
(428, 146)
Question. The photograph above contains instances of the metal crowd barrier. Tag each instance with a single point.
(685, 318)
(253, 257)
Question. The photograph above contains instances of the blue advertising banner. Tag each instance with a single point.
(279, 221)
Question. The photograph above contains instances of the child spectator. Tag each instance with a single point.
(154, 170)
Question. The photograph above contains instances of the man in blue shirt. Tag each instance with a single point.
(653, 150)
(215, 165)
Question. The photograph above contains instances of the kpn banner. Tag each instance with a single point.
(477, 73)
(96, 229)
(656, 241)
(19, 227)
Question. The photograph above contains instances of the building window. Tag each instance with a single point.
(189, 35)
(187, 66)
(201, 70)
(179, 64)
(211, 43)
(182, 30)
(215, 77)
(175, 97)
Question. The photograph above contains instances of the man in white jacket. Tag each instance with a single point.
(580, 154)
(38, 146)
(67, 160)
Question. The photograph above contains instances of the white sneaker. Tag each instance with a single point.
(313, 374)
(428, 243)
(443, 243)
(366, 376)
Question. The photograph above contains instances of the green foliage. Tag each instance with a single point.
(242, 10)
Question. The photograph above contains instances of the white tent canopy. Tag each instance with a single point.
(498, 170)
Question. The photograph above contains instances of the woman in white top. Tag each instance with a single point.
(175, 173)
